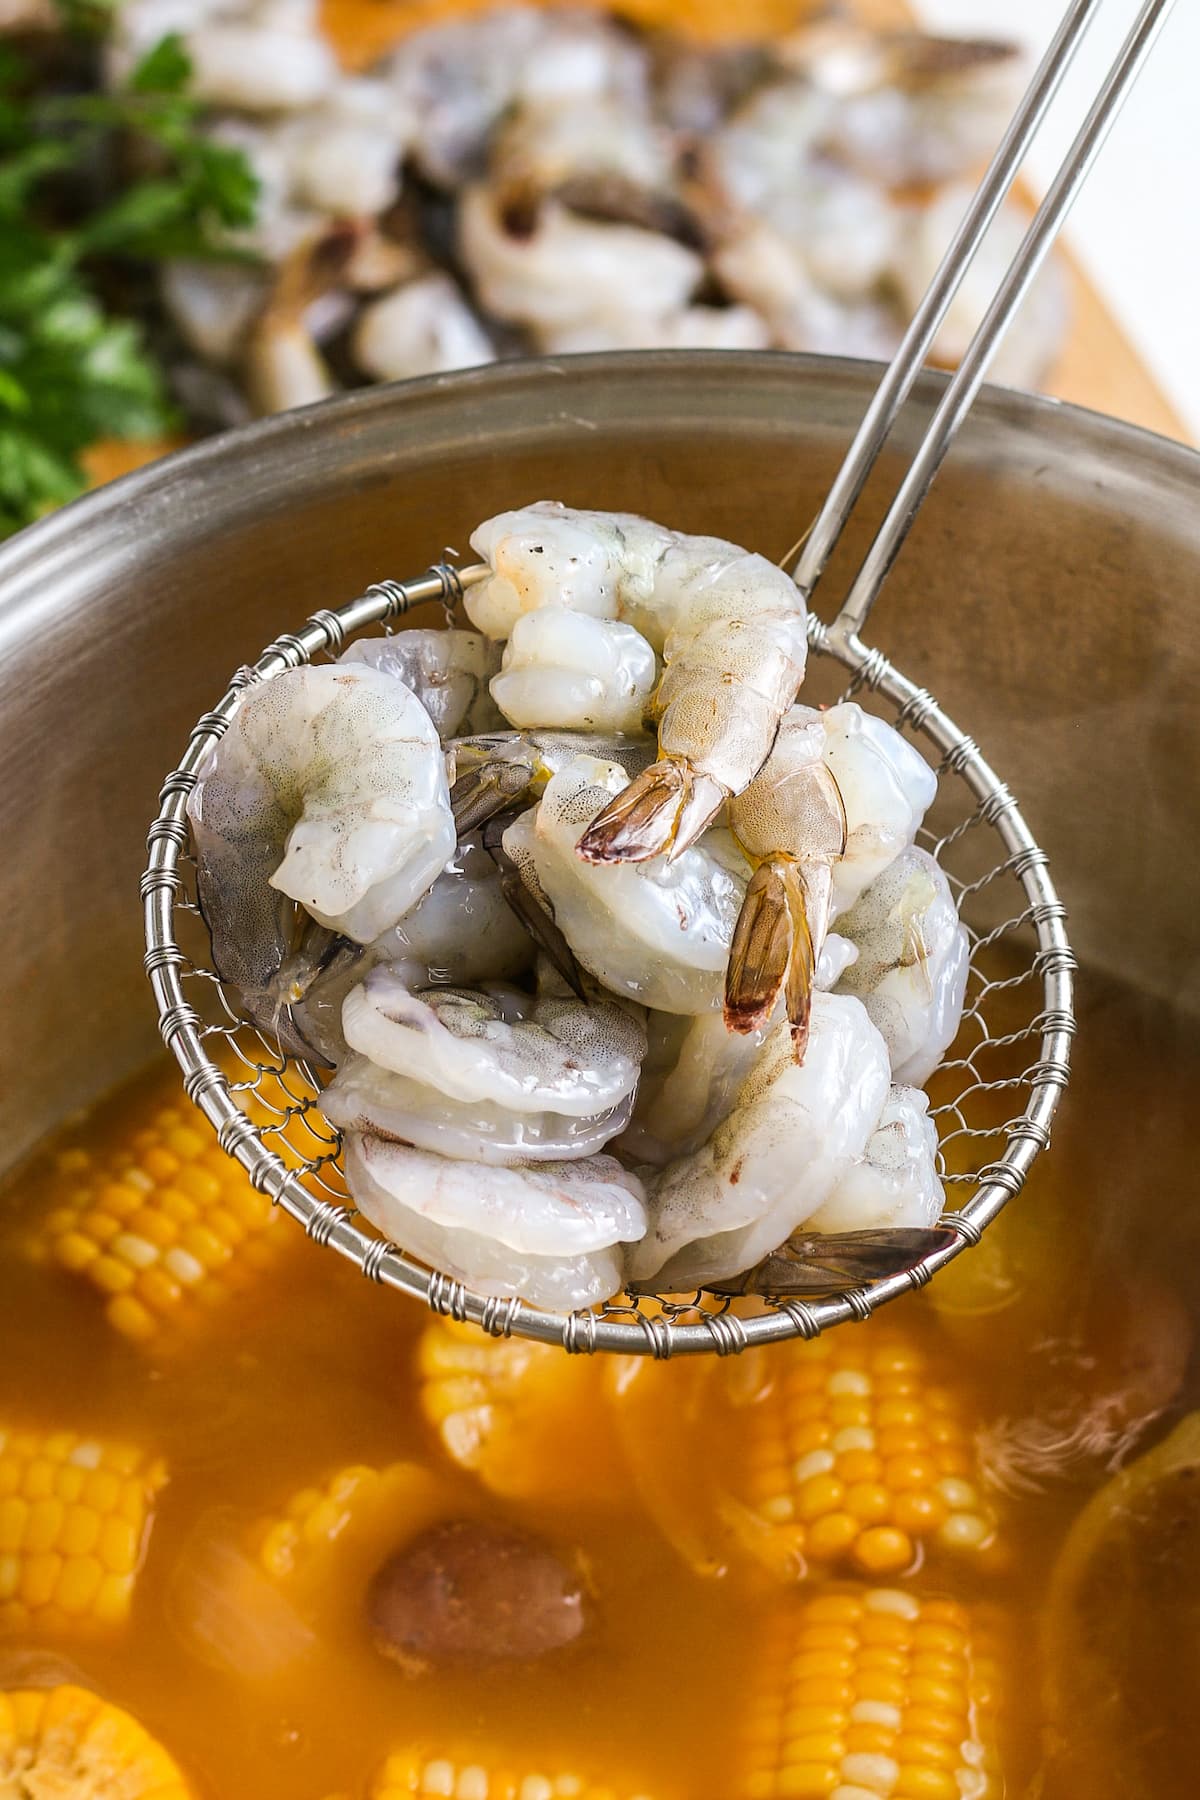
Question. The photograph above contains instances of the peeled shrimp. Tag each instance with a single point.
(772, 273)
(687, 328)
(911, 968)
(329, 788)
(457, 79)
(424, 327)
(791, 823)
(657, 933)
(791, 1138)
(894, 1183)
(910, 108)
(462, 931)
(1032, 341)
(448, 671)
(552, 1055)
(765, 165)
(487, 1076)
(257, 58)
(693, 1068)
(729, 625)
(886, 786)
(565, 669)
(596, 154)
(564, 271)
(548, 1233)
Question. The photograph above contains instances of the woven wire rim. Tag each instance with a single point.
(669, 1328)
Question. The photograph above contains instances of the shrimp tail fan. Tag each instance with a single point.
(818, 1263)
(665, 808)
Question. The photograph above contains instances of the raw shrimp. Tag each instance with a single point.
(564, 271)
(657, 933)
(423, 327)
(910, 108)
(886, 786)
(791, 1138)
(328, 788)
(462, 931)
(1032, 342)
(497, 770)
(766, 166)
(597, 156)
(729, 625)
(547, 1233)
(283, 366)
(771, 273)
(365, 1098)
(456, 80)
(687, 328)
(791, 823)
(694, 1066)
(448, 671)
(264, 58)
(565, 669)
(911, 968)
(456, 1094)
(554, 1054)
(894, 1184)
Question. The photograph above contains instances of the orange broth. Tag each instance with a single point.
(310, 1368)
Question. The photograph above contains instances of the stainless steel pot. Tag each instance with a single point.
(1046, 596)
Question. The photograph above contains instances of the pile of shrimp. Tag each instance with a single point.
(625, 966)
(532, 180)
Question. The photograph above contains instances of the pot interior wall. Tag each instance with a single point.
(1045, 598)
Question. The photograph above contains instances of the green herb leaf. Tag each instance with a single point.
(166, 69)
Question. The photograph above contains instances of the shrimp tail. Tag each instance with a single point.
(489, 787)
(818, 1263)
(776, 942)
(761, 955)
(665, 808)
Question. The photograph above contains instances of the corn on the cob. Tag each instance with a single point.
(873, 1692)
(164, 1225)
(66, 1741)
(358, 1516)
(860, 1452)
(74, 1517)
(530, 1422)
(414, 1775)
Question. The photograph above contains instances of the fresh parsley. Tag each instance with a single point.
(72, 368)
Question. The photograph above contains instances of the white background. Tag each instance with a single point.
(1136, 226)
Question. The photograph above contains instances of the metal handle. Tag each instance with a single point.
(965, 383)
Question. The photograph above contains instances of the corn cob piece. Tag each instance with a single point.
(874, 1693)
(74, 1518)
(528, 1421)
(861, 1452)
(348, 1524)
(412, 1775)
(163, 1226)
(66, 1741)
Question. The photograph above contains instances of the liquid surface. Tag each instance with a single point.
(1063, 1333)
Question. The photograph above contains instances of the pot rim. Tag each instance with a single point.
(995, 407)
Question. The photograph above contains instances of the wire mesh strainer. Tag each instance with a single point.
(993, 1098)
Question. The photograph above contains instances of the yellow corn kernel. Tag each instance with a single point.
(878, 1728)
(416, 1775)
(73, 1524)
(527, 1420)
(902, 1466)
(161, 1228)
(67, 1741)
(330, 1539)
